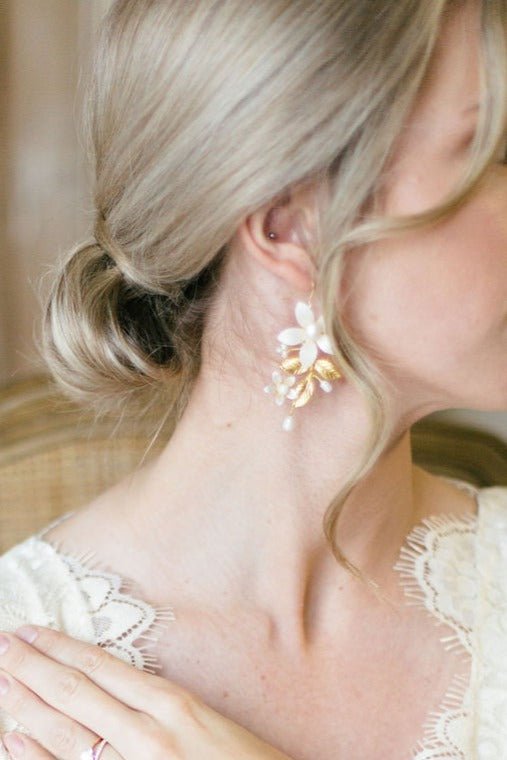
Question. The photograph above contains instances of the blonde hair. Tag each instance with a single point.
(198, 113)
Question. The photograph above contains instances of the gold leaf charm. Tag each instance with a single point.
(298, 389)
(327, 369)
(308, 389)
(292, 365)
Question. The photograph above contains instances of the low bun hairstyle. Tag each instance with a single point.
(106, 327)
(198, 113)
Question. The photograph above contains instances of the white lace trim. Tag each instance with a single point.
(438, 573)
(119, 618)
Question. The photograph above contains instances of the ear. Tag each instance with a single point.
(289, 254)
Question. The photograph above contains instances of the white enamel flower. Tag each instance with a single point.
(281, 387)
(309, 335)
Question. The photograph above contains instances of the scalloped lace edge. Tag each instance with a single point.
(122, 589)
(456, 700)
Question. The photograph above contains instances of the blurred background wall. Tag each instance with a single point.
(44, 201)
(44, 204)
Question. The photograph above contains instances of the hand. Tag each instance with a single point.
(68, 693)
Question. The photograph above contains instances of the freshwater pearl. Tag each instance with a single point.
(288, 423)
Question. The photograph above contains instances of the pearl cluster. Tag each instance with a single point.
(305, 340)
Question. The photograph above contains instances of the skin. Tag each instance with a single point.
(256, 519)
(83, 692)
(233, 492)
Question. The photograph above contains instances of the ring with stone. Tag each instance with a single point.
(94, 752)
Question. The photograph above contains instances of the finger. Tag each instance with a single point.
(70, 692)
(53, 731)
(132, 686)
(18, 745)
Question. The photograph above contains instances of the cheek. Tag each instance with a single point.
(436, 296)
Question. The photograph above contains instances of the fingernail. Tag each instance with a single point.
(27, 633)
(15, 745)
(4, 685)
(4, 644)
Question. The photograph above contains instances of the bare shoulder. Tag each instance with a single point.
(112, 529)
(98, 525)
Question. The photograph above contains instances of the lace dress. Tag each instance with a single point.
(454, 567)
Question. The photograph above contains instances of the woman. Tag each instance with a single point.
(246, 156)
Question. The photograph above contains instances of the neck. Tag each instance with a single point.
(247, 500)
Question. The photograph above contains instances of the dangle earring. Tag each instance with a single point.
(299, 349)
